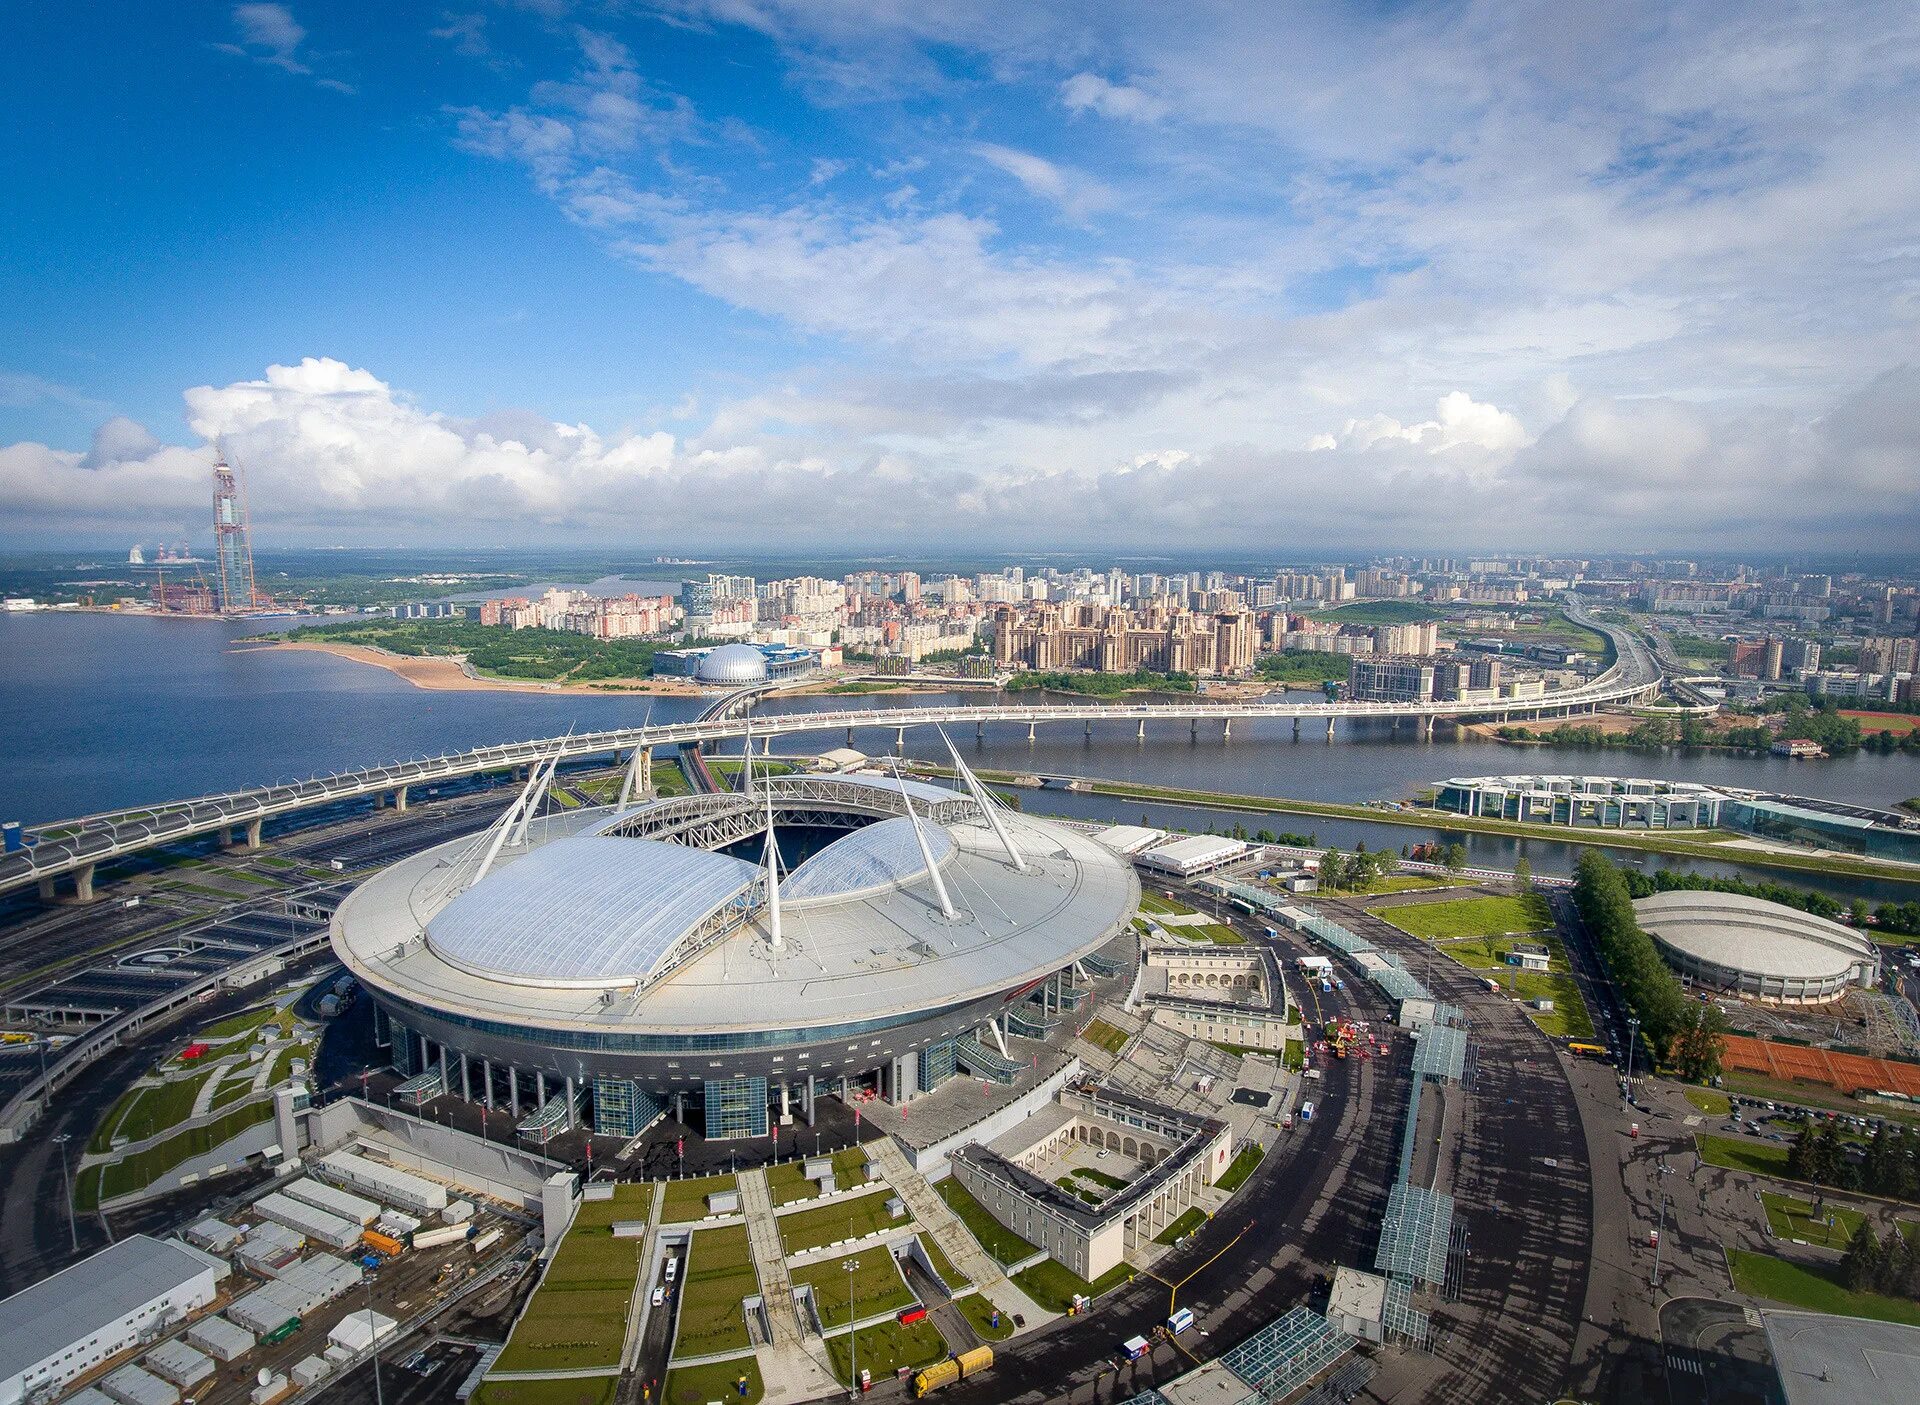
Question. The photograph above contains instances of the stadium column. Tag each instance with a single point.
(539, 1089)
(785, 1110)
(571, 1104)
(466, 1080)
(808, 1104)
(513, 1090)
(486, 1082)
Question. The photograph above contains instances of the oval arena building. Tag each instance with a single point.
(612, 963)
(1757, 949)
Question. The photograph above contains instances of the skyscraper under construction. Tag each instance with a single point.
(234, 545)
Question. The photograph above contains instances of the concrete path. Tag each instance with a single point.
(203, 1099)
(788, 1364)
(956, 1241)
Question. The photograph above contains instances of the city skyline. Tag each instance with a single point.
(689, 275)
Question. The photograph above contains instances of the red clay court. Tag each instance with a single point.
(1846, 1072)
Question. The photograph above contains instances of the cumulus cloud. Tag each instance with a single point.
(1077, 194)
(332, 449)
(1089, 92)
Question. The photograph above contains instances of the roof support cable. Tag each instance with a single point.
(926, 854)
(984, 800)
(774, 937)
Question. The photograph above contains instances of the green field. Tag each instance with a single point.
(1709, 1101)
(885, 1347)
(1470, 917)
(1105, 1036)
(1568, 1018)
(715, 1380)
(1761, 1160)
(1490, 953)
(579, 1390)
(842, 1219)
(1162, 906)
(1052, 1284)
(876, 1286)
(1216, 932)
(1294, 1056)
(978, 1311)
(687, 1200)
(1792, 1218)
(1817, 1288)
(1241, 1167)
(1393, 883)
(994, 1237)
(718, 1274)
(243, 1023)
(1186, 1224)
(577, 1319)
(786, 1182)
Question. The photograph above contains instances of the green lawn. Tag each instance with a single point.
(1099, 1178)
(1568, 1018)
(687, 1200)
(579, 1390)
(716, 1380)
(577, 1320)
(1241, 1167)
(1186, 1224)
(841, 1219)
(157, 1109)
(718, 1274)
(786, 1184)
(943, 1265)
(1490, 953)
(978, 1311)
(1052, 1285)
(1162, 907)
(243, 1023)
(1761, 1160)
(1394, 883)
(102, 1138)
(1709, 1101)
(1216, 932)
(1792, 1218)
(1817, 1288)
(885, 1347)
(1294, 1056)
(876, 1286)
(1470, 917)
(1105, 1036)
(994, 1237)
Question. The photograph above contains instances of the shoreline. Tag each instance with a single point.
(443, 674)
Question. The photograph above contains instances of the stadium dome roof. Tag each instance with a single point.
(732, 663)
(1752, 935)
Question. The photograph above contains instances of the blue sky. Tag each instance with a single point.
(870, 271)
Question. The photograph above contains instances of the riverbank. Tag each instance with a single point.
(442, 673)
(1746, 851)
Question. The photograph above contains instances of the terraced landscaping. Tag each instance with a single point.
(687, 1200)
(718, 1274)
(885, 1347)
(1102, 1035)
(714, 1380)
(875, 1284)
(1053, 1285)
(787, 1183)
(943, 1265)
(577, 1318)
(142, 1168)
(852, 1218)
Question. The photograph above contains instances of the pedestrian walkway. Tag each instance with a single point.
(956, 1241)
(788, 1364)
(203, 1098)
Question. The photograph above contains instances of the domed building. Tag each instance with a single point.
(732, 665)
(1757, 949)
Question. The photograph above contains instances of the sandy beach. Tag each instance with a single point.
(449, 674)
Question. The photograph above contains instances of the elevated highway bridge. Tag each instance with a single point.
(74, 849)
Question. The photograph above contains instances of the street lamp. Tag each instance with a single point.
(66, 1184)
(1633, 1038)
(1660, 1183)
(853, 1337)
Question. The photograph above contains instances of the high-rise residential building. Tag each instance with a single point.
(1390, 680)
(233, 542)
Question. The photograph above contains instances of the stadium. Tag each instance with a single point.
(738, 953)
(1757, 949)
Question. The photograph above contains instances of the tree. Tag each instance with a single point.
(1454, 857)
(1698, 1047)
(1859, 912)
(1333, 869)
(1860, 1265)
(1265, 836)
(1800, 1155)
(1523, 875)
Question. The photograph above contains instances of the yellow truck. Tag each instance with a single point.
(955, 1368)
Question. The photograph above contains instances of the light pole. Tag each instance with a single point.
(66, 1184)
(1660, 1183)
(1633, 1038)
(853, 1337)
(373, 1340)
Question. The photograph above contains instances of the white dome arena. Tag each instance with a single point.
(1757, 949)
(732, 664)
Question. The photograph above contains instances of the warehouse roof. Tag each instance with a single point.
(81, 1299)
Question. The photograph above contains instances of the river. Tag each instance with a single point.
(102, 711)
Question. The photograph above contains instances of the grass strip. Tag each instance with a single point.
(999, 1241)
(1815, 1287)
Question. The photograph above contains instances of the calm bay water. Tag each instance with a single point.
(102, 711)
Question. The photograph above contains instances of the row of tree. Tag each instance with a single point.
(1890, 1167)
(1686, 1032)
(1873, 1264)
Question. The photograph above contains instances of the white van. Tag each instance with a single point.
(673, 1267)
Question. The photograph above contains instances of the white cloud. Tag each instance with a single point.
(1089, 92)
(1076, 193)
(1459, 421)
(269, 34)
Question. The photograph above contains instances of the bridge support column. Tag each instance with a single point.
(573, 1106)
(253, 835)
(1426, 732)
(83, 884)
(644, 781)
(513, 1091)
(466, 1080)
(1193, 730)
(1226, 729)
(1089, 729)
(1329, 729)
(46, 890)
(400, 797)
(680, 1108)
(1030, 727)
(980, 731)
(900, 740)
(1141, 734)
(849, 736)
(1296, 729)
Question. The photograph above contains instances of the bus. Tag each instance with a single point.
(1590, 1051)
